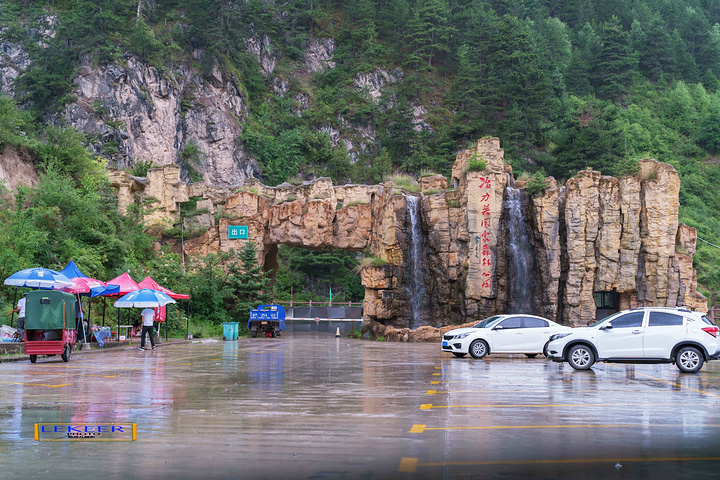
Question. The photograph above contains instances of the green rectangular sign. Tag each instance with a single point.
(238, 231)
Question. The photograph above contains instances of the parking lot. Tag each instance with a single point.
(312, 406)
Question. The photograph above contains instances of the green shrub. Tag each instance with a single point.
(404, 182)
(536, 185)
(452, 203)
(476, 163)
(141, 168)
(371, 261)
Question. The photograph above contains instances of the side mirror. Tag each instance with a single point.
(499, 327)
(606, 326)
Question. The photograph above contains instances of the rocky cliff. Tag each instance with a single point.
(133, 112)
(595, 235)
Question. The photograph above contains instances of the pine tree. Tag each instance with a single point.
(615, 65)
(247, 281)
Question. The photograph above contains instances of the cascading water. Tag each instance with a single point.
(520, 255)
(414, 282)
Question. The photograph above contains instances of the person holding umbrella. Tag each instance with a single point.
(148, 316)
(147, 299)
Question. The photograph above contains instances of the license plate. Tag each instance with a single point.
(444, 344)
(263, 323)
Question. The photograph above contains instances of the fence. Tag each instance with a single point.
(323, 318)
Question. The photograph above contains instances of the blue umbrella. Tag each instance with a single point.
(143, 298)
(38, 278)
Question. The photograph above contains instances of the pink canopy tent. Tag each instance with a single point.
(148, 282)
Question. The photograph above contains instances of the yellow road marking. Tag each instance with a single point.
(438, 368)
(431, 392)
(510, 391)
(410, 465)
(428, 406)
(423, 428)
(436, 374)
(186, 364)
(434, 382)
(37, 384)
(675, 384)
(93, 367)
(67, 373)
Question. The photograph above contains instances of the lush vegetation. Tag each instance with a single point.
(565, 85)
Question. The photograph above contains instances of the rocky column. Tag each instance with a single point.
(482, 194)
(658, 227)
(546, 212)
(581, 220)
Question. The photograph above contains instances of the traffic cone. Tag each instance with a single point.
(337, 332)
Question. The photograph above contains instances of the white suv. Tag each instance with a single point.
(641, 335)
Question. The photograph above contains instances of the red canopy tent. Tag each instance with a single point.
(148, 282)
(152, 284)
(127, 285)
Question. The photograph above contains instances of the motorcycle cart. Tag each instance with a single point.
(49, 324)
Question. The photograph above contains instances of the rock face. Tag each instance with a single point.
(154, 118)
(595, 237)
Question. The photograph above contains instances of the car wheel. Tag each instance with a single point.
(33, 358)
(66, 354)
(546, 352)
(689, 360)
(253, 334)
(479, 348)
(459, 354)
(580, 357)
(531, 355)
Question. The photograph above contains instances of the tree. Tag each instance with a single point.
(247, 283)
(709, 128)
(589, 137)
(144, 43)
(615, 65)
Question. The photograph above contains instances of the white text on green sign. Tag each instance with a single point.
(238, 231)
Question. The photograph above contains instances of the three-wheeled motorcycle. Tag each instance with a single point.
(49, 324)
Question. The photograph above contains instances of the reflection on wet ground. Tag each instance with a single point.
(312, 406)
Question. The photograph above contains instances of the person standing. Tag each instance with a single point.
(20, 310)
(80, 318)
(148, 315)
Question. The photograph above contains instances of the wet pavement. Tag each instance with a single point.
(312, 406)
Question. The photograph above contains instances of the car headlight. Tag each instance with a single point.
(462, 335)
(558, 336)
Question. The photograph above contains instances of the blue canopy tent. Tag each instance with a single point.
(71, 271)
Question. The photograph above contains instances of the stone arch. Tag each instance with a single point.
(609, 230)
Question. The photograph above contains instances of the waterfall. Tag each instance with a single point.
(520, 255)
(414, 282)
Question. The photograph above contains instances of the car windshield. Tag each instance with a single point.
(486, 323)
(606, 319)
(707, 320)
(494, 322)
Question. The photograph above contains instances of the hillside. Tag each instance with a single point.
(358, 89)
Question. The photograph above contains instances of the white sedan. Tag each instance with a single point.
(519, 333)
